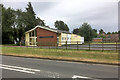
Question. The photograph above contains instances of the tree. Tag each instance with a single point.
(61, 25)
(0, 24)
(94, 32)
(113, 32)
(16, 22)
(86, 31)
(8, 19)
(116, 32)
(101, 31)
(29, 17)
(76, 31)
(19, 26)
(119, 34)
(109, 33)
(40, 22)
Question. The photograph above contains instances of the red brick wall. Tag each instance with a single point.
(113, 37)
(97, 40)
(46, 41)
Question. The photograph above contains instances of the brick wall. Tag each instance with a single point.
(46, 37)
(113, 37)
(97, 40)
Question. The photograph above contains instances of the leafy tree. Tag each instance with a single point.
(40, 22)
(19, 26)
(116, 32)
(94, 32)
(8, 19)
(0, 24)
(76, 31)
(29, 17)
(86, 31)
(119, 34)
(101, 31)
(109, 33)
(61, 25)
(102, 36)
(16, 22)
(113, 32)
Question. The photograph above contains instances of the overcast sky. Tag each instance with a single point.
(100, 14)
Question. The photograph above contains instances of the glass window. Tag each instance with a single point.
(32, 33)
(46, 36)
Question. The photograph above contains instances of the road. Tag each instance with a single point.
(19, 67)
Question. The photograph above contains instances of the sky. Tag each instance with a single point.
(100, 14)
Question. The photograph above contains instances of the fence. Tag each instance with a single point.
(79, 45)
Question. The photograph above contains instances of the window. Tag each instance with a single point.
(68, 38)
(62, 38)
(32, 33)
(46, 36)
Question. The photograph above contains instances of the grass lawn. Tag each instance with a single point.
(106, 43)
(76, 55)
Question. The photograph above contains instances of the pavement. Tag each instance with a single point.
(19, 67)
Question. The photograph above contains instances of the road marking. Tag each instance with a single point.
(75, 76)
(19, 69)
(30, 71)
(83, 77)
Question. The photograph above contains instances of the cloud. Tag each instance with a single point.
(98, 13)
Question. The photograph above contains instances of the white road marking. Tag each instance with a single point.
(83, 77)
(29, 70)
(19, 69)
(75, 76)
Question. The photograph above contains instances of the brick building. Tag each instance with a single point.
(107, 38)
(112, 37)
(43, 36)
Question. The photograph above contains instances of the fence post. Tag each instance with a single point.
(89, 45)
(49, 45)
(77, 45)
(102, 46)
(20, 43)
(40, 45)
(66, 44)
(57, 44)
(116, 46)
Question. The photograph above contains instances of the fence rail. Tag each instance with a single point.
(79, 46)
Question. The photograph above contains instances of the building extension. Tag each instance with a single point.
(44, 36)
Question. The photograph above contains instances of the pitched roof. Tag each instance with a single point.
(50, 29)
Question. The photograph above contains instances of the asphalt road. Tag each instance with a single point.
(19, 67)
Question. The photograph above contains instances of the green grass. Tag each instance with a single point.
(79, 55)
(105, 43)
